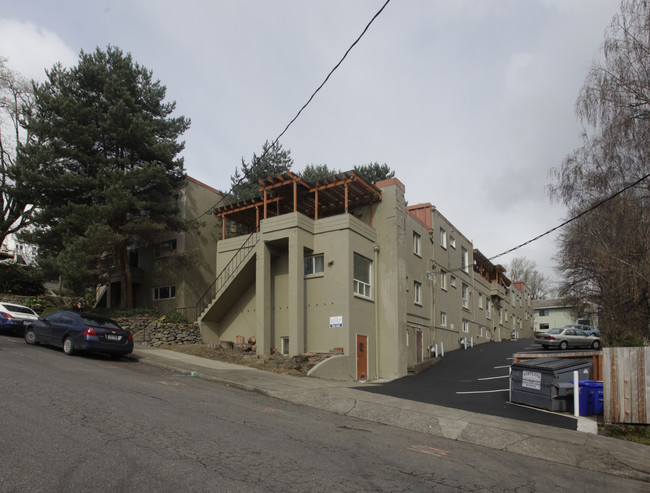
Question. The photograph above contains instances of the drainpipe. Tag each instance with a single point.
(375, 249)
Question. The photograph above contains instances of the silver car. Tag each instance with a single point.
(567, 337)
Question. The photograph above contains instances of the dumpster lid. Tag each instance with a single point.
(550, 364)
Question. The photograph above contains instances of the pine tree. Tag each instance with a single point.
(274, 160)
(102, 166)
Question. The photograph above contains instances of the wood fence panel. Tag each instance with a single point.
(626, 385)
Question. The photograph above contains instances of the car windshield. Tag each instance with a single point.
(104, 323)
(555, 331)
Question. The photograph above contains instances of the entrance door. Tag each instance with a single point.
(362, 358)
(418, 345)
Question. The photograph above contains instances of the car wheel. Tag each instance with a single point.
(68, 347)
(596, 345)
(30, 336)
(564, 345)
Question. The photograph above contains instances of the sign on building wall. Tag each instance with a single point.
(336, 322)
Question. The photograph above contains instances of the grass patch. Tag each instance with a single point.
(632, 433)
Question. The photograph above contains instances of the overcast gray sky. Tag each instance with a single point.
(471, 102)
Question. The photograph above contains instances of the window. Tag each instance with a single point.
(465, 326)
(284, 345)
(417, 288)
(163, 248)
(164, 292)
(443, 279)
(452, 281)
(362, 267)
(465, 295)
(443, 319)
(416, 243)
(314, 264)
(443, 238)
(480, 300)
(488, 309)
(543, 313)
(452, 242)
(464, 259)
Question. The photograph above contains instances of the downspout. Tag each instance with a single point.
(375, 249)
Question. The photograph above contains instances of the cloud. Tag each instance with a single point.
(31, 49)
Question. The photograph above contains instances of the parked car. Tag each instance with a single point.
(74, 331)
(13, 317)
(585, 328)
(566, 337)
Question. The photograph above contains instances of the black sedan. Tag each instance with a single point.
(80, 332)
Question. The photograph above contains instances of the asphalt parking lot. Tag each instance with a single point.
(476, 380)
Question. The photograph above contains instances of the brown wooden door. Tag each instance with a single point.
(362, 358)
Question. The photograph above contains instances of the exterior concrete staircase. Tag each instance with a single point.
(226, 276)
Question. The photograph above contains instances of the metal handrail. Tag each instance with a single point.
(226, 273)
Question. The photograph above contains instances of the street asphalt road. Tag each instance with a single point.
(476, 380)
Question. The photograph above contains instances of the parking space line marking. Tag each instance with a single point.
(484, 391)
(494, 378)
(423, 449)
(499, 367)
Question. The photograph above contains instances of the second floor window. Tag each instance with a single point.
(164, 247)
(465, 295)
(314, 264)
(362, 276)
(464, 259)
(417, 287)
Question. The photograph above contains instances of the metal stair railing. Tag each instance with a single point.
(226, 273)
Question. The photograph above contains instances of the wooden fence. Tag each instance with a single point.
(626, 385)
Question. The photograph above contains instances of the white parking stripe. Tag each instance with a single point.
(494, 378)
(484, 391)
(499, 367)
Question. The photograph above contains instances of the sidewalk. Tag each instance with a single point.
(584, 450)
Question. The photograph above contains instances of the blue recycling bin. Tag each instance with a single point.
(590, 397)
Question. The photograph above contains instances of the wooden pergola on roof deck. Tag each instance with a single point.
(288, 192)
(489, 271)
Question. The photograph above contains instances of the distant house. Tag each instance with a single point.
(14, 251)
(344, 266)
(559, 312)
(173, 273)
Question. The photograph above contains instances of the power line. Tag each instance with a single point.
(246, 173)
(573, 218)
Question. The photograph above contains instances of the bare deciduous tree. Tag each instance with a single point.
(15, 96)
(523, 269)
(604, 257)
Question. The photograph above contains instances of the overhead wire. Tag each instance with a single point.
(246, 173)
(587, 211)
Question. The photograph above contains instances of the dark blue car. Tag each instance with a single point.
(80, 332)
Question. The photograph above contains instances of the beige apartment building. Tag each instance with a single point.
(346, 267)
(173, 273)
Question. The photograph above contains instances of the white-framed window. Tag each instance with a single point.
(163, 248)
(506, 316)
(443, 279)
(416, 243)
(443, 319)
(488, 308)
(500, 315)
(480, 300)
(314, 264)
(417, 289)
(464, 259)
(480, 331)
(452, 281)
(465, 326)
(164, 293)
(465, 295)
(284, 345)
(443, 238)
(452, 242)
(362, 276)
